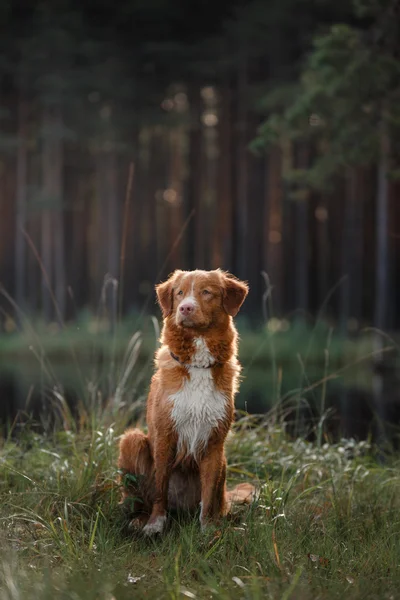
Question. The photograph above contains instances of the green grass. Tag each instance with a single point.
(326, 524)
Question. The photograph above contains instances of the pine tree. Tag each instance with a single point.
(346, 106)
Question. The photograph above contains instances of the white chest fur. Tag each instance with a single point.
(198, 406)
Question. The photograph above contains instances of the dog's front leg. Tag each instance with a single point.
(213, 485)
(164, 453)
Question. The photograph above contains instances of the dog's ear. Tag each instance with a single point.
(234, 293)
(164, 293)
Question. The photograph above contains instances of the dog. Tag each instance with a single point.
(180, 464)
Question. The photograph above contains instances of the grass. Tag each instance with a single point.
(89, 337)
(326, 524)
(277, 358)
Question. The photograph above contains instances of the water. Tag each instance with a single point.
(360, 401)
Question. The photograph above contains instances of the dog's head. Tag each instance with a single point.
(200, 299)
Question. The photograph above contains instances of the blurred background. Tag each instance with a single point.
(137, 137)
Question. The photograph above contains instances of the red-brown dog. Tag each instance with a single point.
(181, 462)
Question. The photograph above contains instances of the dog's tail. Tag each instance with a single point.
(243, 493)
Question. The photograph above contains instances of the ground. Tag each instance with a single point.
(326, 524)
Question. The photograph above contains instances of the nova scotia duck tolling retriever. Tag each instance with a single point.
(180, 464)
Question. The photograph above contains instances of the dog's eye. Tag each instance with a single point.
(206, 292)
(180, 293)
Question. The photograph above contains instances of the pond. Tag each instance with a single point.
(358, 401)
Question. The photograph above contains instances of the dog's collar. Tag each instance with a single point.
(175, 357)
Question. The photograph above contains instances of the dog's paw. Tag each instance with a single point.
(157, 526)
(208, 525)
(137, 523)
(204, 525)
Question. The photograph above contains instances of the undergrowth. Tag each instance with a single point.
(326, 523)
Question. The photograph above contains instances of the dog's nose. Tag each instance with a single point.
(186, 309)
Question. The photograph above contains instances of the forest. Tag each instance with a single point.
(260, 137)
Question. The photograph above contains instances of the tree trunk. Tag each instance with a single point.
(302, 237)
(222, 242)
(107, 209)
(99, 246)
(347, 250)
(196, 237)
(113, 216)
(301, 254)
(52, 249)
(46, 217)
(322, 257)
(174, 197)
(22, 160)
(357, 295)
(350, 299)
(157, 209)
(140, 199)
(273, 258)
(57, 192)
(80, 233)
(381, 277)
(255, 266)
(382, 247)
(148, 246)
(241, 168)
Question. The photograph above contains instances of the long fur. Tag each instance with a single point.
(180, 464)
